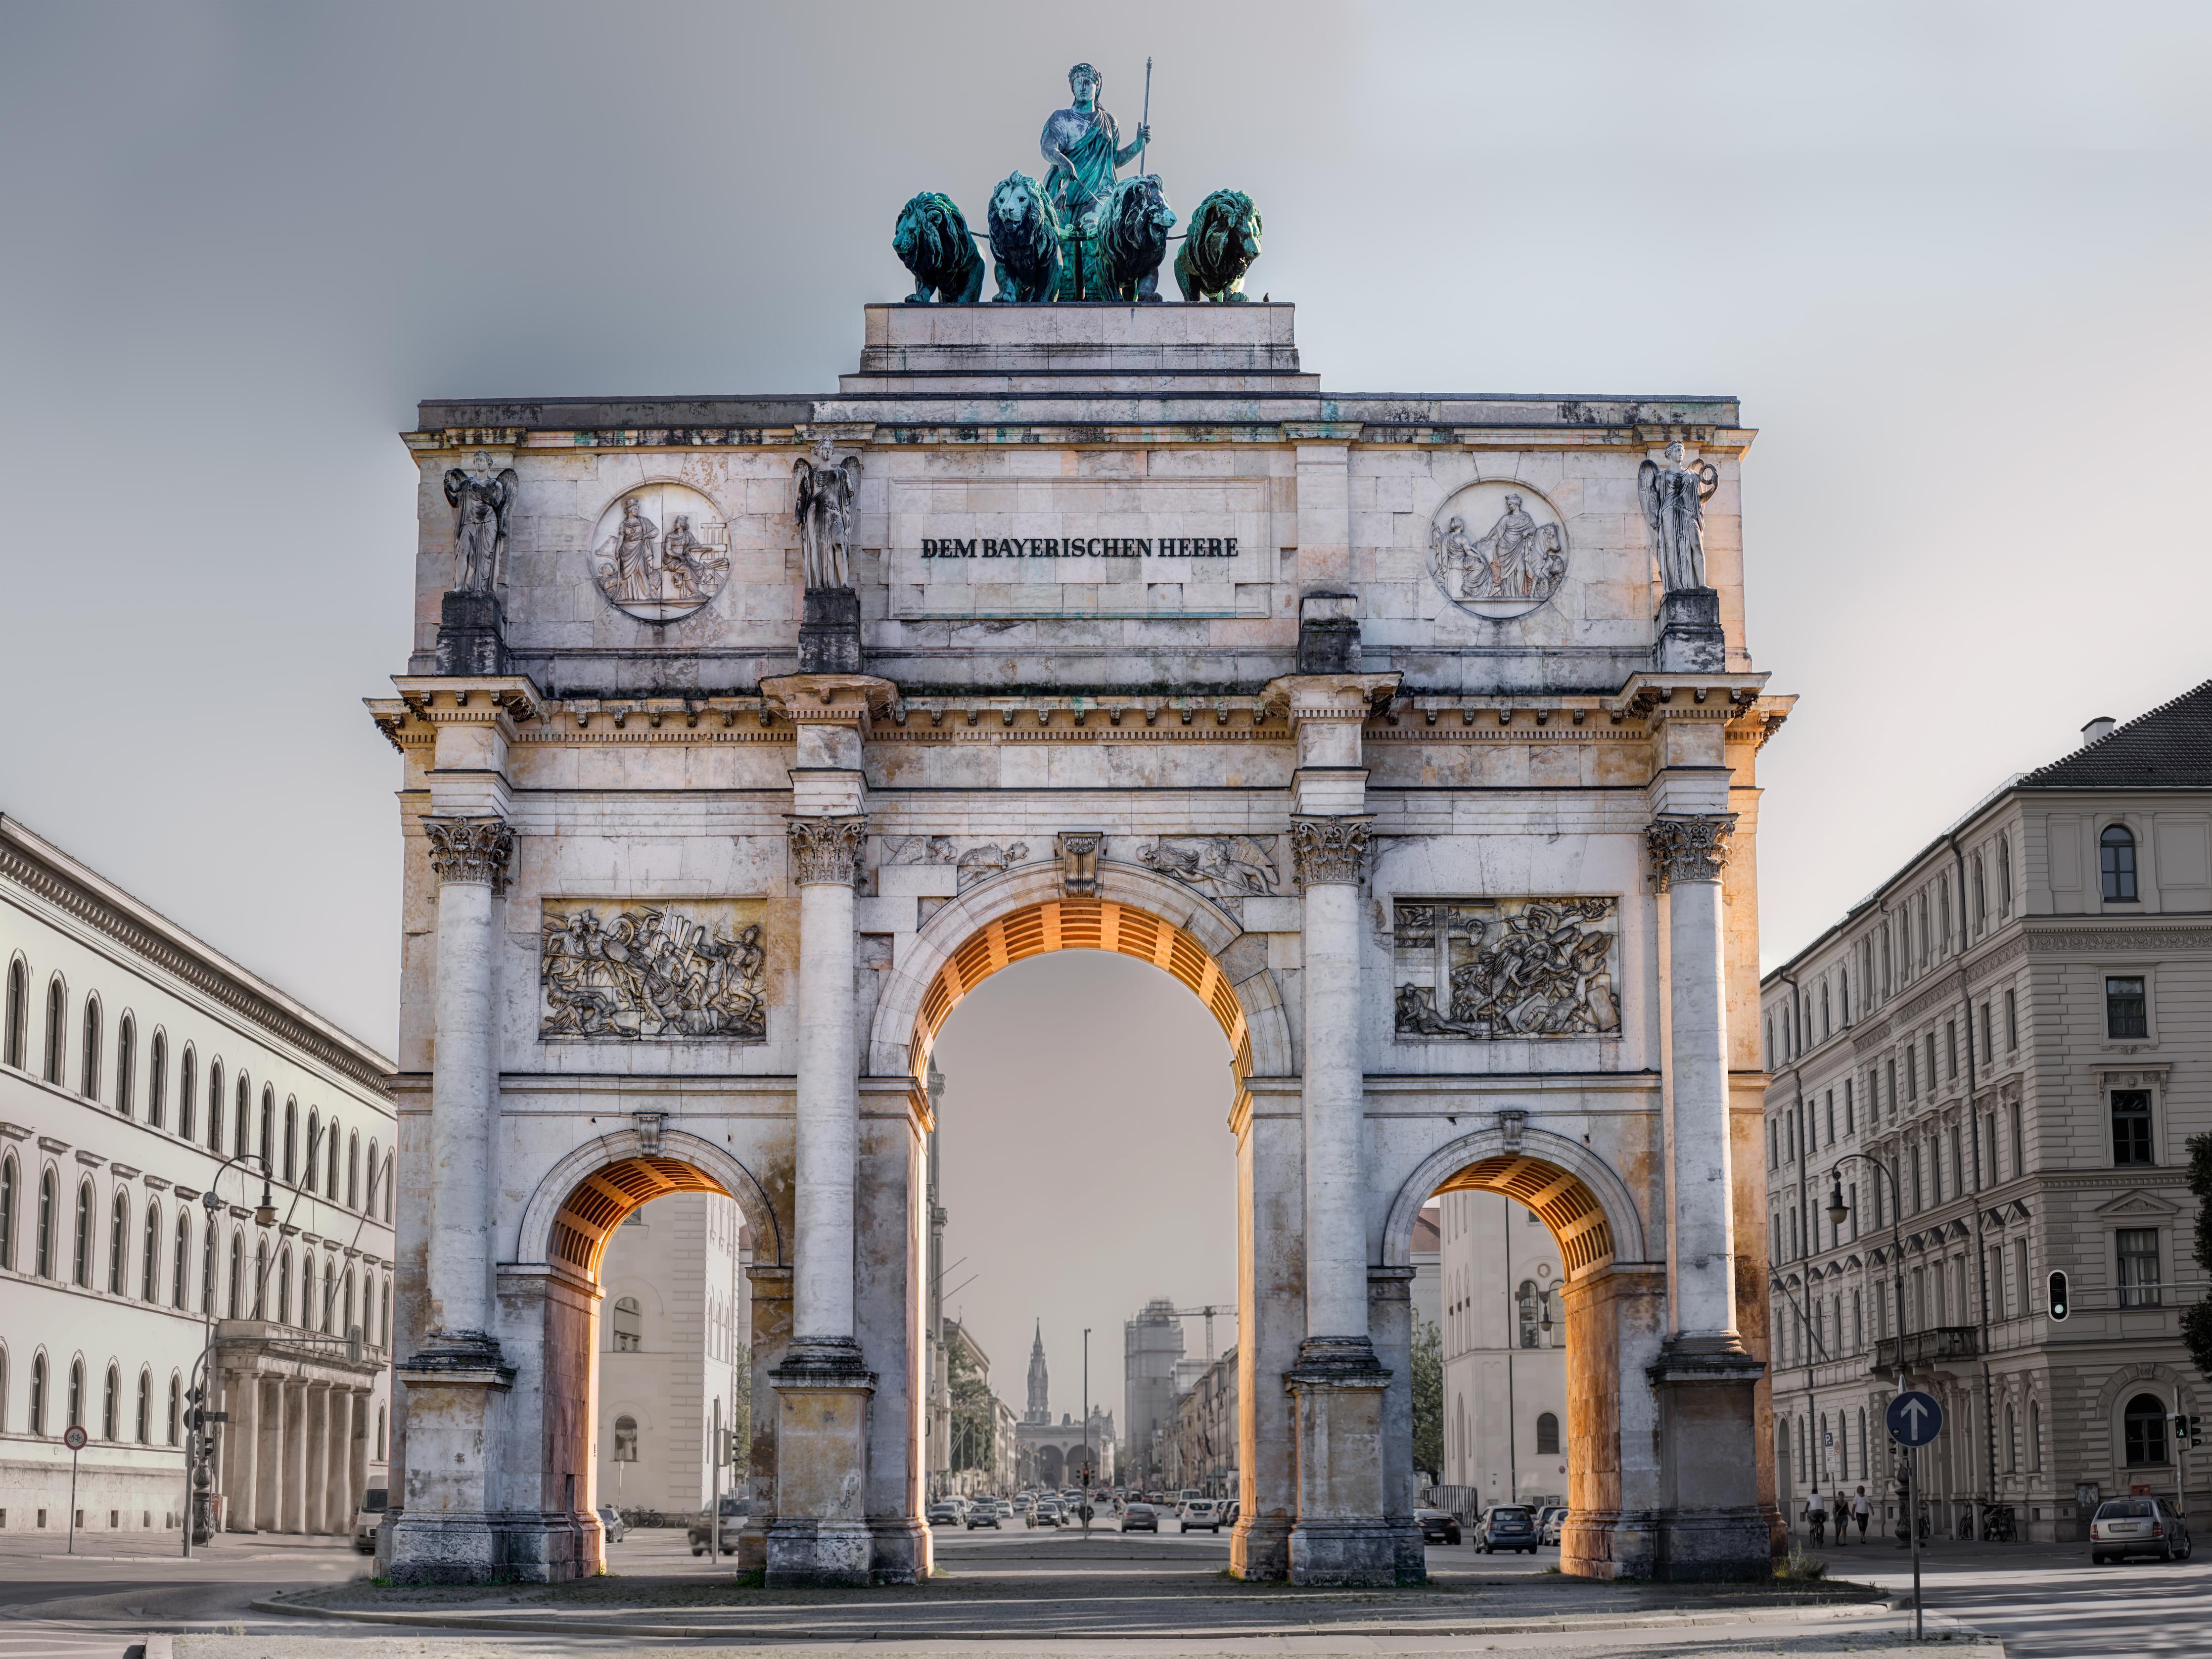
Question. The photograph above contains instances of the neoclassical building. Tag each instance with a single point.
(1505, 1351)
(1997, 1059)
(147, 1085)
(1415, 736)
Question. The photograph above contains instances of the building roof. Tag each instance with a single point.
(41, 867)
(2169, 748)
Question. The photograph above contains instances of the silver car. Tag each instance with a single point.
(2138, 1526)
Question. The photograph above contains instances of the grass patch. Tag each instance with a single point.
(1799, 1567)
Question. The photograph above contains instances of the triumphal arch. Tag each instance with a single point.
(1415, 735)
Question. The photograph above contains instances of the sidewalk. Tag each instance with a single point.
(52, 1544)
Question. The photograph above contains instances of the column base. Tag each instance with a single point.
(1711, 1524)
(442, 1548)
(803, 1554)
(1341, 1536)
(1347, 1552)
(446, 1531)
(902, 1552)
(1259, 1548)
(821, 1533)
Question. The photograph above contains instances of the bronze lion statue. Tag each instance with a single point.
(1223, 242)
(1133, 221)
(934, 242)
(1025, 240)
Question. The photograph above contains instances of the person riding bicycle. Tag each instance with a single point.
(1816, 1516)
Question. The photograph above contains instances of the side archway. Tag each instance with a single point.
(1580, 1196)
(582, 1199)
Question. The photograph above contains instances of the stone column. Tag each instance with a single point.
(820, 1534)
(363, 1407)
(1390, 1325)
(1328, 852)
(242, 1391)
(771, 1337)
(1709, 1522)
(445, 1531)
(270, 1461)
(315, 1509)
(292, 1506)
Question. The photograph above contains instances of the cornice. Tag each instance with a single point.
(206, 973)
(2151, 935)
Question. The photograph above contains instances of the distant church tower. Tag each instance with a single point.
(1040, 1409)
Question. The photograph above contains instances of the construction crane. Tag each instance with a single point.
(1206, 1313)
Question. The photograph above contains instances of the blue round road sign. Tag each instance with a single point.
(1914, 1418)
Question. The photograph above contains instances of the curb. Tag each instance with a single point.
(547, 1623)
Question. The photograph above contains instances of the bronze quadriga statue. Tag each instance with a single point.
(933, 241)
(1133, 222)
(1026, 239)
(1223, 242)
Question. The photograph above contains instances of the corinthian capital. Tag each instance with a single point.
(1688, 848)
(1329, 850)
(476, 850)
(826, 850)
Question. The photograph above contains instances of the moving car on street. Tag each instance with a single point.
(1201, 1514)
(734, 1509)
(373, 1502)
(983, 1512)
(945, 1512)
(2138, 1526)
(1048, 1513)
(611, 1519)
(1506, 1527)
(1437, 1526)
(1140, 1517)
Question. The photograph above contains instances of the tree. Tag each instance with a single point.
(2196, 1322)
(741, 1411)
(1428, 1367)
(971, 1408)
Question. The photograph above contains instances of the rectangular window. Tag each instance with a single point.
(2131, 1126)
(2012, 1020)
(1892, 1091)
(1918, 1204)
(2020, 1308)
(1958, 1162)
(1830, 1109)
(1911, 1072)
(2138, 1254)
(1931, 1062)
(2018, 1144)
(1951, 1050)
(1988, 1048)
(1850, 1117)
(2127, 1011)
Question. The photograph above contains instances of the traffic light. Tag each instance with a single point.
(2059, 1305)
(2189, 1429)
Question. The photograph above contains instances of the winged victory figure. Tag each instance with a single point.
(827, 490)
(483, 505)
(1673, 497)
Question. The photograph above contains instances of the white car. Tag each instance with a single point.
(1201, 1514)
(373, 1502)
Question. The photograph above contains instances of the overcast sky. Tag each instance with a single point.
(1951, 258)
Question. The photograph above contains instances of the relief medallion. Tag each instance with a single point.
(660, 551)
(1497, 549)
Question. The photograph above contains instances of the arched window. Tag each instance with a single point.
(38, 1394)
(110, 1404)
(180, 1269)
(368, 1306)
(1526, 1301)
(2145, 1425)
(625, 1440)
(387, 1311)
(383, 1450)
(629, 1326)
(57, 1020)
(390, 1158)
(1547, 1435)
(8, 1180)
(19, 1012)
(88, 1081)
(45, 1255)
(291, 1139)
(214, 1107)
(2035, 1437)
(346, 1327)
(118, 1246)
(237, 1270)
(260, 1277)
(315, 1139)
(157, 1080)
(81, 1261)
(284, 1287)
(329, 1296)
(242, 1119)
(187, 1093)
(2004, 876)
(207, 1275)
(2011, 1440)
(2116, 856)
(149, 1270)
(1826, 1029)
(126, 1046)
(76, 1395)
(330, 1186)
(268, 1148)
(176, 1408)
(353, 1171)
(375, 1177)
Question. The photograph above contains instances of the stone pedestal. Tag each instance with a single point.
(1328, 634)
(1711, 1523)
(821, 1534)
(471, 634)
(1691, 639)
(1342, 1535)
(771, 1338)
(830, 637)
(446, 1531)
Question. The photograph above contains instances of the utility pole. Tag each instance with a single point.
(1084, 1498)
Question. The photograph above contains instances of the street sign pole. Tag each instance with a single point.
(1915, 1419)
(73, 1439)
(1912, 1526)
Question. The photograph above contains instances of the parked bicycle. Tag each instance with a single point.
(1998, 1526)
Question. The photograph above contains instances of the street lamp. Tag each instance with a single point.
(1838, 1213)
(199, 1496)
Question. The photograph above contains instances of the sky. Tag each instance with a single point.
(1951, 258)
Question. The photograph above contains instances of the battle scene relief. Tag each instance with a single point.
(625, 972)
(1482, 968)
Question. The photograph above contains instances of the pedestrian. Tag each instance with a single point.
(1816, 1515)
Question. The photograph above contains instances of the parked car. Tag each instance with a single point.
(1551, 1523)
(1506, 1527)
(734, 1509)
(1140, 1517)
(1048, 1513)
(2138, 1526)
(1437, 1526)
(369, 1517)
(1229, 1511)
(1201, 1514)
(612, 1522)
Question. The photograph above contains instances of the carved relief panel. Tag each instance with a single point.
(1497, 550)
(1489, 968)
(627, 970)
(660, 551)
